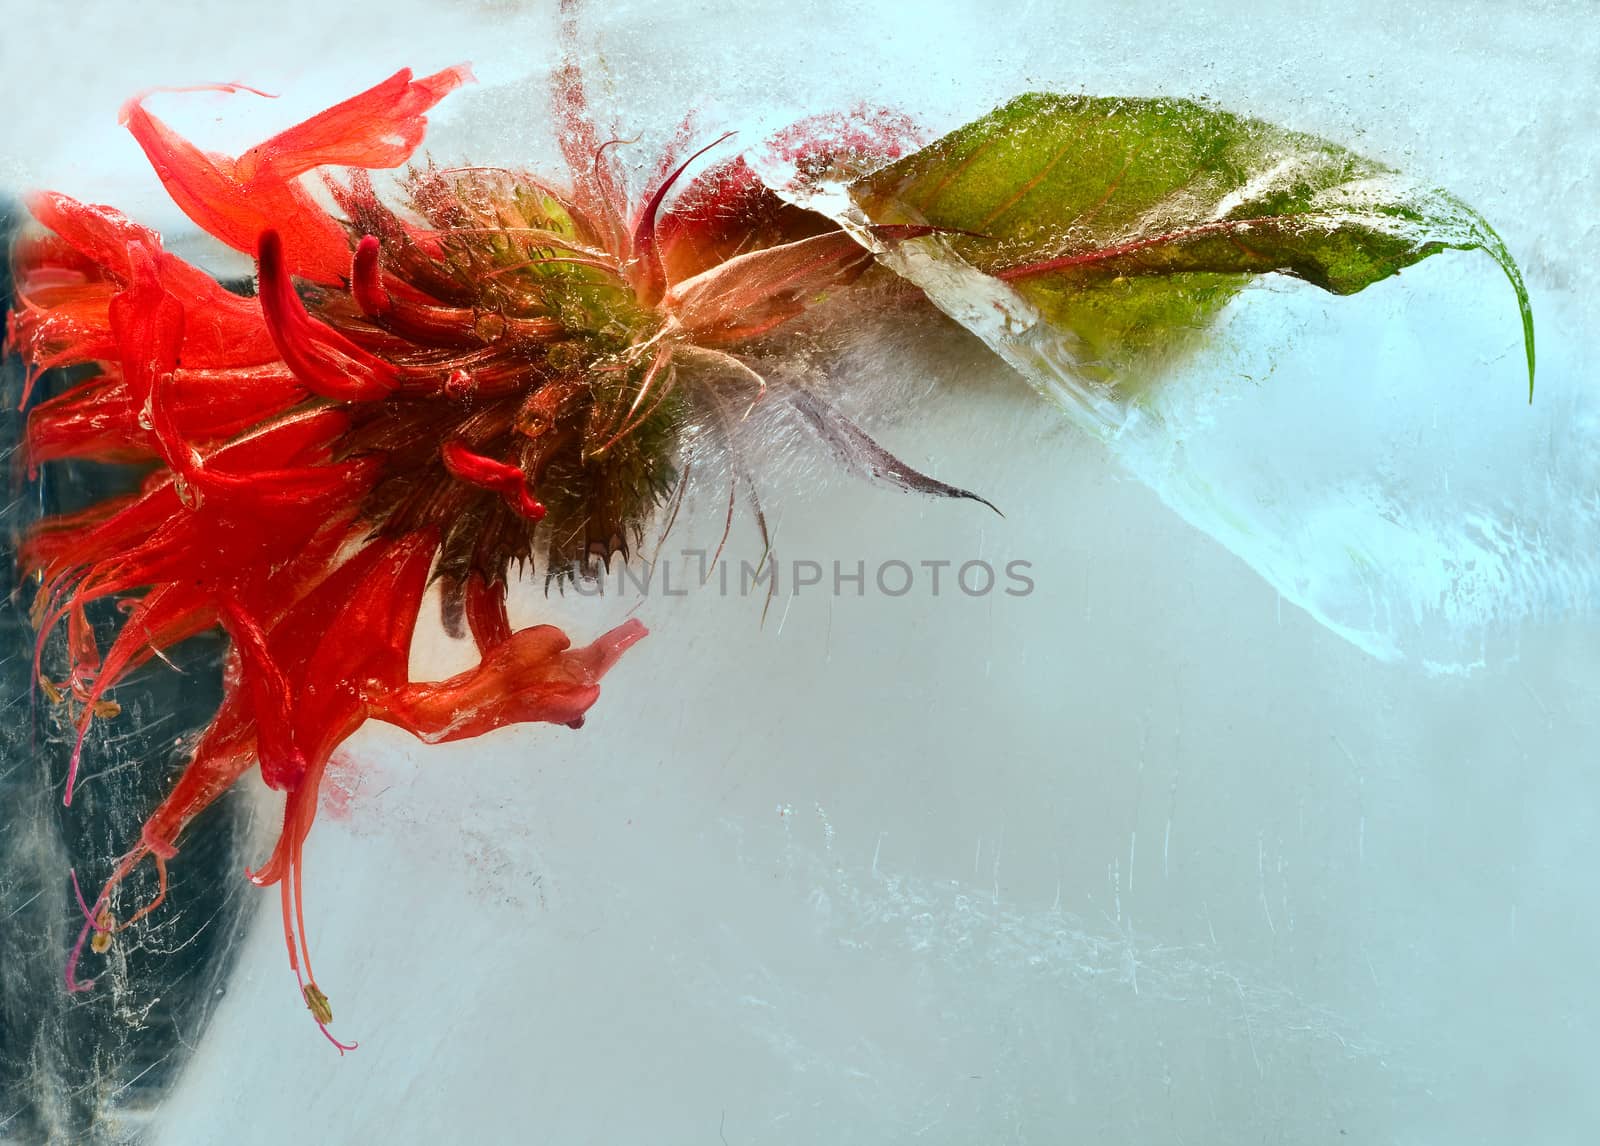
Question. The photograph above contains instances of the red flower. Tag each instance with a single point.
(492, 377)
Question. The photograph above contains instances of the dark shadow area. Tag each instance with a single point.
(92, 1066)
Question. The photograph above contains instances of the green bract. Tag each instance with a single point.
(1127, 223)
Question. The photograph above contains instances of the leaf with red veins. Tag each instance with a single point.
(1121, 227)
(223, 329)
(535, 675)
(236, 199)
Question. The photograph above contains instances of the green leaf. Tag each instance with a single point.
(1130, 222)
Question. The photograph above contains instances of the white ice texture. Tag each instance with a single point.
(1273, 818)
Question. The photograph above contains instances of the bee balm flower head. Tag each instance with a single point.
(486, 373)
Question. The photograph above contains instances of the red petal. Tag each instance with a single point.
(366, 279)
(283, 765)
(97, 418)
(505, 479)
(225, 752)
(326, 361)
(349, 637)
(75, 329)
(223, 330)
(486, 612)
(94, 419)
(236, 200)
(148, 323)
(535, 675)
(379, 128)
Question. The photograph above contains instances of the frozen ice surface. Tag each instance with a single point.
(1161, 852)
(1390, 535)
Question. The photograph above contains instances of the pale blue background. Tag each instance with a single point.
(1148, 856)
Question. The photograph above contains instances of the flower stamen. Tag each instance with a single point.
(323, 359)
(507, 480)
